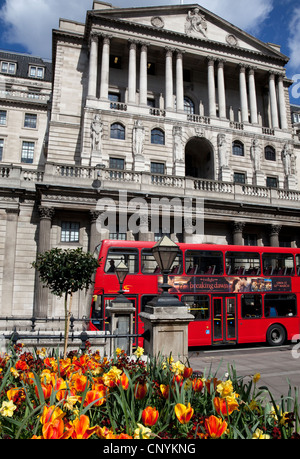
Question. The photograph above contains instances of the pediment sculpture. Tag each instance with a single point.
(195, 23)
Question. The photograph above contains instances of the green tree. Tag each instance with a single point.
(65, 272)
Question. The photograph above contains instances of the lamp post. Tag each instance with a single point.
(121, 272)
(165, 252)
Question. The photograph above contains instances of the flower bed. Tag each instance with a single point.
(43, 396)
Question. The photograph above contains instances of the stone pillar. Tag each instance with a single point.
(143, 75)
(132, 73)
(211, 88)
(252, 97)
(166, 330)
(41, 300)
(169, 103)
(221, 90)
(282, 105)
(95, 237)
(105, 68)
(179, 83)
(9, 261)
(93, 66)
(274, 235)
(273, 101)
(243, 95)
(237, 228)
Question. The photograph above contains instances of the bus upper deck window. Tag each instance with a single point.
(278, 264)
(242, 264)
(208, 262)
(117, 255)
(149, 265)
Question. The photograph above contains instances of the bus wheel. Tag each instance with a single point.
(276, 335)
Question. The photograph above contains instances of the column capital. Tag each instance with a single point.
(238, 226)
(169, 50)
(46, 212)
(94, 214)
(132, 44)
(221, 62)
(106, 38)
(94, 37)
(211, 60)
(275, 230)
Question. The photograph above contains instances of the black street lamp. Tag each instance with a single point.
(121, 272)
(165, 252)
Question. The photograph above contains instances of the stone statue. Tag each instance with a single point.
(138, 137)
(287, 160)
(256, 154)
(195, 22)
(222, 148)
(178, 153)
(96, 133)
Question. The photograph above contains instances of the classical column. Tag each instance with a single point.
(252, 97)
(41, 300)
(105, 68)
(237, 228)
(179, 83)
(243, 95)
(282, 105)
(169, 105)
(9, 261)
(273, 101)
(132, 72)
(93, 65)
(95, 236)
(221, 90)
(143, 75)
(211, 89)
(274, 235)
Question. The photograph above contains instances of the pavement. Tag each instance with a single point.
(279, 367)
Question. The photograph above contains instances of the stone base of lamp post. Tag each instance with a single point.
(166, 331)
(121, 323)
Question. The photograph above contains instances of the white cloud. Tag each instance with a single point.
(294, 40)
(30, 22)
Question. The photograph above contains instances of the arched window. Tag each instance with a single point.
(158, 136)
(117, 131)
(189, 106)
(237, 148)
(270, 153)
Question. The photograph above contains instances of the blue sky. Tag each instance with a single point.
(26, 25)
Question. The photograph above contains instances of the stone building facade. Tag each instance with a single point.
(143, 103)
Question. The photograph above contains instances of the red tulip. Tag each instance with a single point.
(149, 416)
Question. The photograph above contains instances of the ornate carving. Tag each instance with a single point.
(157, 22)
(238, 227)
(195, 23)
(256, 152)
(222, 148)
(138, 137)
(178, 151)
(288, 161)
(231, 40)
(275, 230)
(96, 133)
(46, 212)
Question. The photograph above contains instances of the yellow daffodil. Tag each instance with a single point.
(14, 372)
(139, 352)
(142, 432)
(7, 409)
(260, 435)
(225, 388)
(256, 378)
(178, 368)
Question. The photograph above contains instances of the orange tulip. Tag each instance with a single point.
(124, 381)
(187, 373)
(183, 413)
(215, 427)
(81, 428)
(50, 413)
(55, 430)
(149, 416)
(47, 390)
(225, 405)
(96, 397)
(164, 390)
(80, 382)
(140, 390)
(197, 384)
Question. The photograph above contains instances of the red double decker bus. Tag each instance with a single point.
(237, 294)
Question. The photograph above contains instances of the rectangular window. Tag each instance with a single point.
(117, 255)
(251, 306)
(278, 264)
(198, 306)
(280, 305)
(272, 182)
(30, 120)
(149, 265)
(250, 239)
(3, 115)
(8, 67)
(116, 163)
(203, 262)
(157, 168)
(70, 232)
(118, 236)
(27, 152)
(239, 177)
(242, 263)
(36, 72)
(1, 148)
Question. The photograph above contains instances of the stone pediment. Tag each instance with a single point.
(191, 21)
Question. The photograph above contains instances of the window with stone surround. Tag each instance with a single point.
(70, 232)
(1, 148)
(36, 71)
(8, 67)
(30, 120)
(157, 137)
(117, 131)
(270, 153)
(239, 177)
(27, 152)
(3, 117)
(272, 182)
(237, 148)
